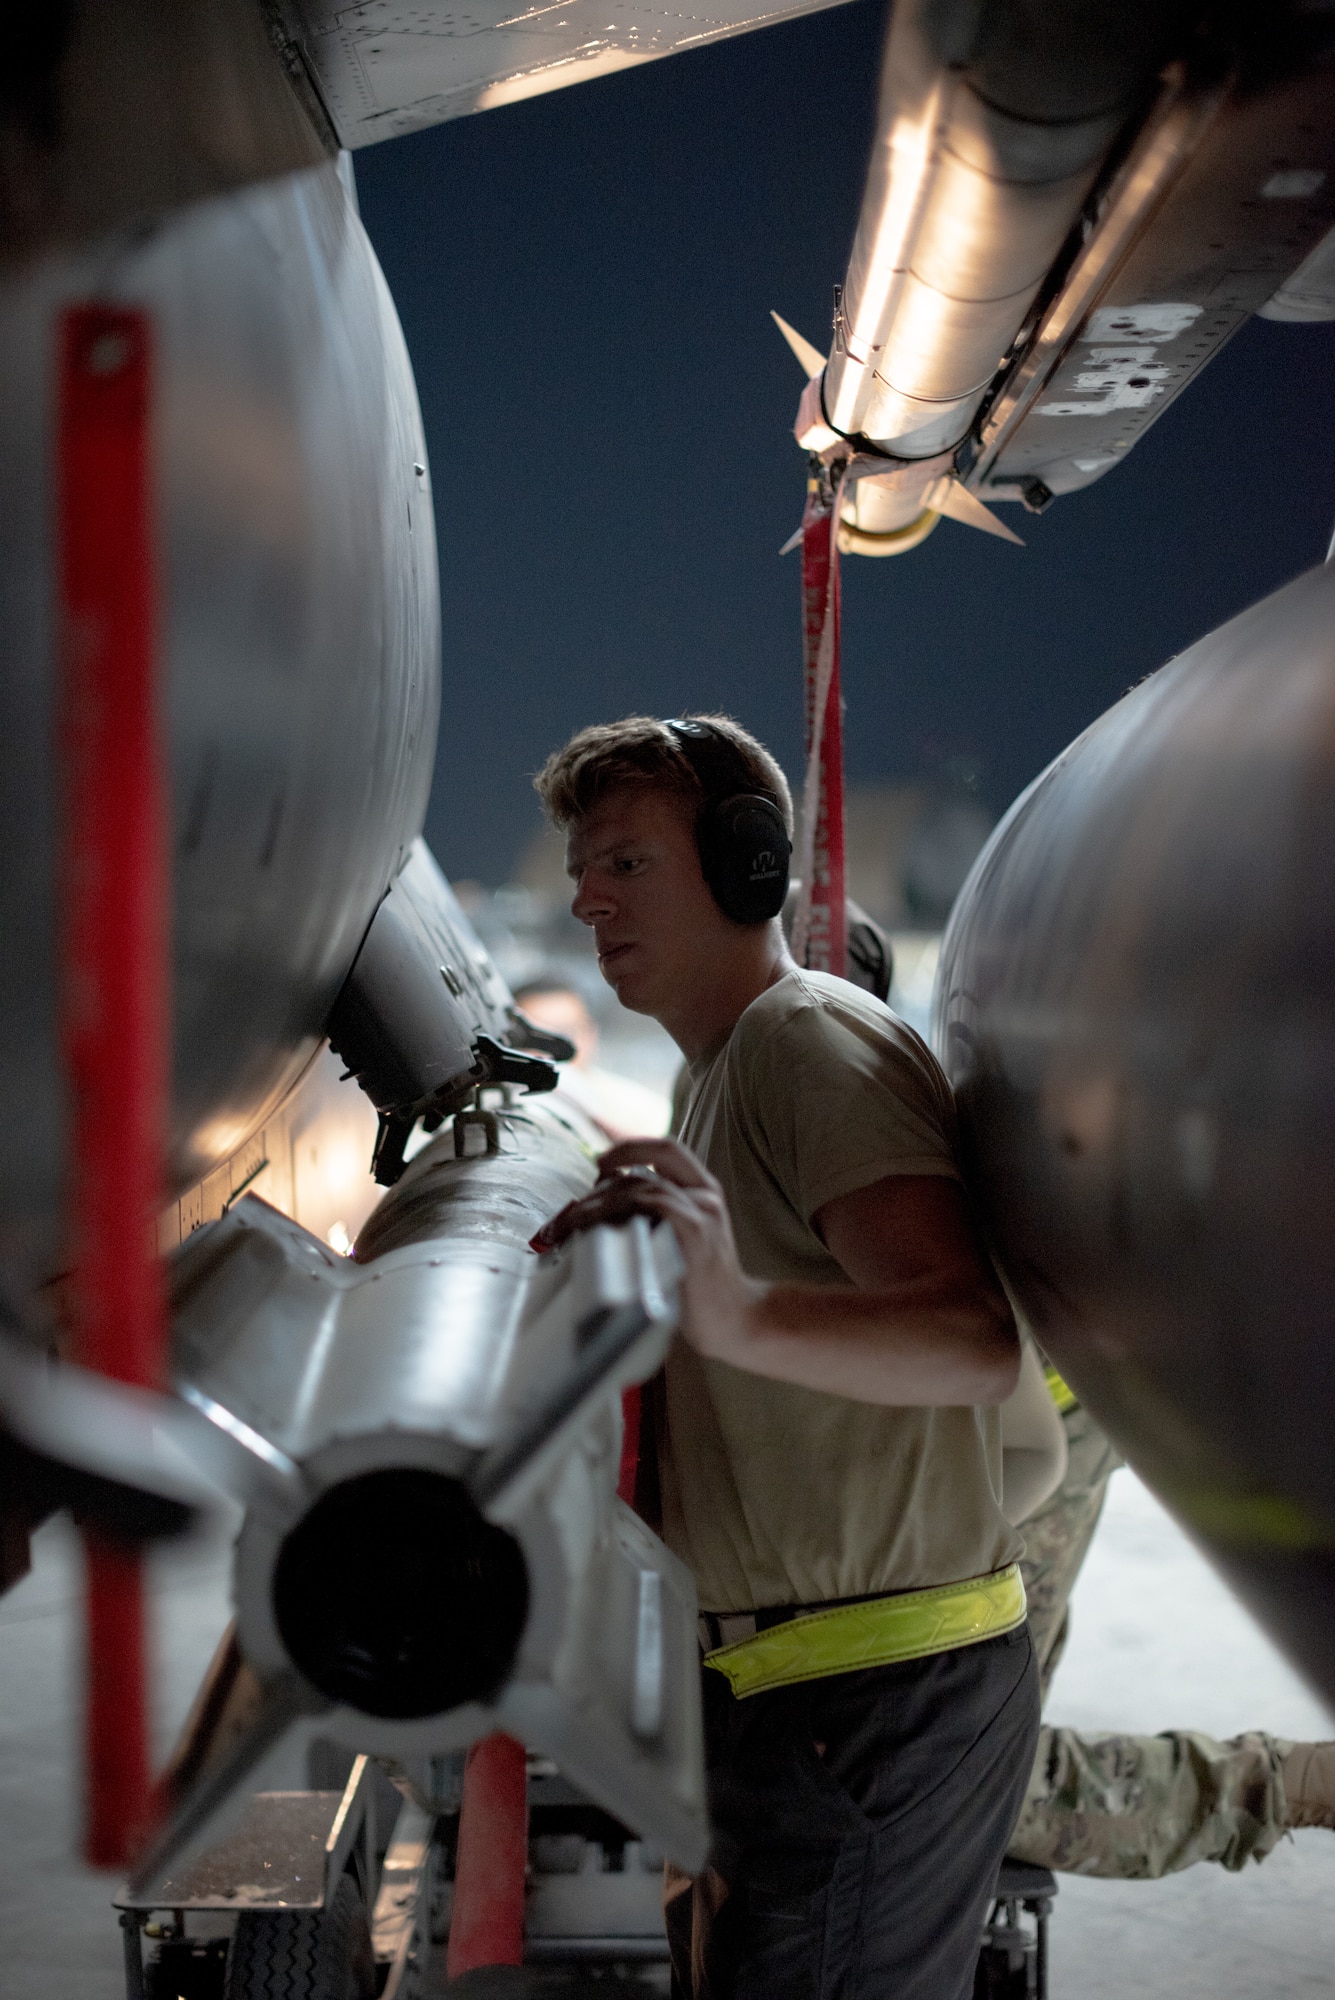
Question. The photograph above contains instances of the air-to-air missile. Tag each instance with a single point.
(1069, 209)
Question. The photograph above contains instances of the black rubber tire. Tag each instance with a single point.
(304, 1954)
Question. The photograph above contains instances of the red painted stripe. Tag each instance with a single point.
(632, 1406)
(827, 942)
(114, 958)
(487, 1921)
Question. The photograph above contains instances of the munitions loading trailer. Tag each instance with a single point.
(344, 1892)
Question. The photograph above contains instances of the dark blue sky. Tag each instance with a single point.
(585, 282)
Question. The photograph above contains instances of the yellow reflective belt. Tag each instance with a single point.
(875, 1633)
(1062, 1394)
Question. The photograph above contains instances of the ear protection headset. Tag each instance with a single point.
(743, 842)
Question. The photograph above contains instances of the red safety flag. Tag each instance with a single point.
(114, 972)
(820, 932)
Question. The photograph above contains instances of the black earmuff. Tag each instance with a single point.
(743, 842)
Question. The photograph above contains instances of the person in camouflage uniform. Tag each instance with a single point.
(1137, 1807)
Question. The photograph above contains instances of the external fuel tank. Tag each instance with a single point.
(1136, 1007)
(299, 637)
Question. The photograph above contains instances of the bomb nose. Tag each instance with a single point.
(394, 1595)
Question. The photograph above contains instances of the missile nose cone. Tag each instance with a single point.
(394, 1596)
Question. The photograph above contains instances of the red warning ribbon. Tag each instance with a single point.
(820, 930)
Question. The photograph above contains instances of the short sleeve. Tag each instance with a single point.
(838, 1095)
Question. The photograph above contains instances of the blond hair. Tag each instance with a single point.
(641, 749)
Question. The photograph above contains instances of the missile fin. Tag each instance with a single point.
(198, 1816)
(622, 1301)
(810, 357)
(947, 496)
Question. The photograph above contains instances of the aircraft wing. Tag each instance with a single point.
(121, 109)
(383, 69)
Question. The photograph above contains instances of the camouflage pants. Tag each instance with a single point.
(1130, 1807)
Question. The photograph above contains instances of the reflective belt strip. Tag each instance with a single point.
(874, 1634)
(1062, 1394)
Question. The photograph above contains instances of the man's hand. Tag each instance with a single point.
(924, 1322)
(717, 1296)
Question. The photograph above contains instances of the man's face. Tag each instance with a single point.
(638, 885)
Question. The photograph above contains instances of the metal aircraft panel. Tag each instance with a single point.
(300, 624)
(385, 68)
(1223, 198)
(1134, 1008)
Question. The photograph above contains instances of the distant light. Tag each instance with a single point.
(339, 1239)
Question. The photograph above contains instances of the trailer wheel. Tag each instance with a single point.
(304, 1954)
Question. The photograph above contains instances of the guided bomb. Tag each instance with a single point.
(429, 1436)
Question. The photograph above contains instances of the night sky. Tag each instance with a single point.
(585, 281)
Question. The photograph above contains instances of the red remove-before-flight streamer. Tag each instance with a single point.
(820, 936)
(114, 972)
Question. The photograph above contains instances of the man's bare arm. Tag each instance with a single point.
(924, 1323)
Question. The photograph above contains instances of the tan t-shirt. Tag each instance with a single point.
(780, 1495)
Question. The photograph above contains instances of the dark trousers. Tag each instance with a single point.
(859, 1823)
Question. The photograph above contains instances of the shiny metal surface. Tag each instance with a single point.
(424, 1018)
(1136, 1006)
(391, 68)
(1230, 183)
(311, 1159)
(405, 1912)
(989, 134)
(1309, 293)
(129, 1437)
(301, 637)
(1069, 211)
(305, 1348)
(447, 1356)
